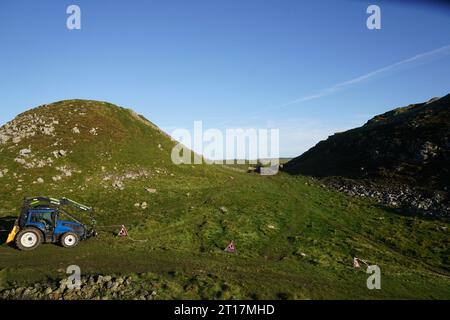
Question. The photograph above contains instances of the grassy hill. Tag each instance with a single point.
(295, 238)
(409, 144)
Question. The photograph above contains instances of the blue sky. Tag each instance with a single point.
(309, 68)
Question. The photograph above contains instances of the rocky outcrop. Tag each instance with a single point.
(408, 199)
(140, 286)
(26, 126)
(399, 159)
(409, 145)
(92, 287)
(119, 180)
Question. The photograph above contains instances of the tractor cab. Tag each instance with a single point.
(43, 219)
(48, 220)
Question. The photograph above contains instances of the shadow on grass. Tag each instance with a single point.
(6, 225)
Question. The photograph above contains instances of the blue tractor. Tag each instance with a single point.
(48, 220)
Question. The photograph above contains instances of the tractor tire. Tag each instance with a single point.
(69, 240)
(28, 239)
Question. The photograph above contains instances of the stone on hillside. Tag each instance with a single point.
(150, 190)
(223, 209)
(144, 205)
(66, 171)
(429, 150)
(24, 152)
(118, 185)
(40, 180)
(4, 138)
(131, 175)
(99, 279)
(20, 160)
(93, 131)
(75, 130)
(48, 130)
(59, 153)
(120, 280)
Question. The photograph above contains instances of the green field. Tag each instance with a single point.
(295, 238)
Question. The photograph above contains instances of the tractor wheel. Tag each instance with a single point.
(28, 239)
(69, 240)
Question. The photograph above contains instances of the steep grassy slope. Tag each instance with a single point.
(409, 144)
(295, 239)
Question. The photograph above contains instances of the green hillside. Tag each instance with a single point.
(296, 239)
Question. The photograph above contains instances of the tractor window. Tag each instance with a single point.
(23, 217)
(45, 217)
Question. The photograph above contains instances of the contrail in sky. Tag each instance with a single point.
(422, 57)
